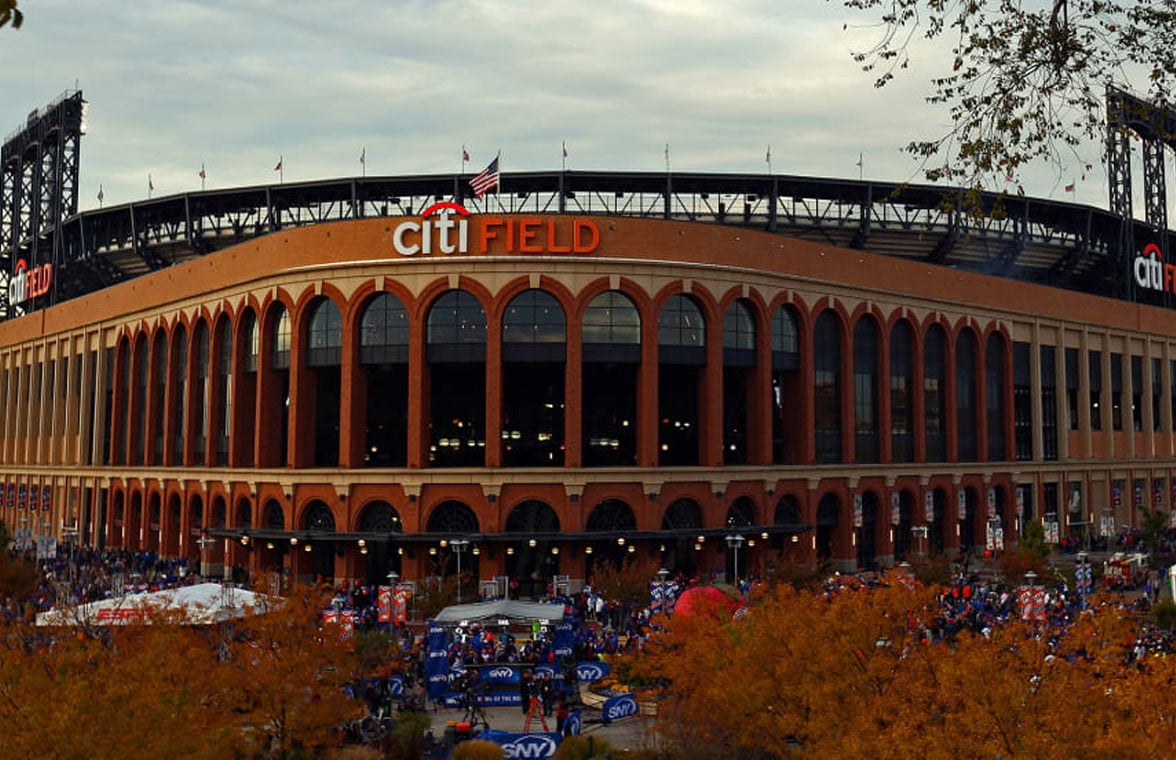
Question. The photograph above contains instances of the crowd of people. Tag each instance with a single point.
(81, 574)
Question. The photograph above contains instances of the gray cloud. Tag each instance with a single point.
(234, 84)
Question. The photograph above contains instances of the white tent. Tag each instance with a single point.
(508, 609)
(201, 604)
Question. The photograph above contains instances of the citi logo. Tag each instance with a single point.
(446, 228)
(1151, 272)
(530, 745)
(29, 283)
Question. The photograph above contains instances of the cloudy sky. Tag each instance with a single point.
(234, 84)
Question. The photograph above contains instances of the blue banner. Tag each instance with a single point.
(486, 699)
(500, 674)
(572, 724)
(592, 671)
(519, 746)
(564, 640)
(615, 708)
(437, 665)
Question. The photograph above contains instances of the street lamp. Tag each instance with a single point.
(459, 546)
(734, 542)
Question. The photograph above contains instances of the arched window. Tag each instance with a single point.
(319, 517)
(456, 325)
(274, 518)
(611, 319)
(934, 390)
(383, 337)
(865, 390)
(280, 352)
(994, 397)
(158, 394)
(456, 354)
(325, 335)
(179, 399)
(380, 517)
(533, 373)
(201, 394)
(681, 333)
(902, 415)
(383, 357)
(738, 330)
(827, 387)
(534, 316)
(966, 411)
(224, 391)
(252, 340)
(680, 324)
(611, 356)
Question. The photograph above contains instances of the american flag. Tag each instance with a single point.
(485, 180)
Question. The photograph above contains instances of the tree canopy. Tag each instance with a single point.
(853, 675)
(9, 13)
(1021, 84)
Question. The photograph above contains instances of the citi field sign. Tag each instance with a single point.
(29, 283)
(1151, 272)
(448, 229)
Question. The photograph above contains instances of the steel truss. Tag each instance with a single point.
(1056, 244)
(38, 189)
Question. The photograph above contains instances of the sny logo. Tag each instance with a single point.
(622, 708)
(590, 671)
(500, 673)
(530, 745)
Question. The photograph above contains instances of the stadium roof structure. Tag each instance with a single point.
(1057, 244)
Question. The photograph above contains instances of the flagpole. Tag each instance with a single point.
(769, 159)
(564, 160)
(667, 158)
(363, 160)
(201, 176)
(859, 167)
(464, 157)
(498, 187)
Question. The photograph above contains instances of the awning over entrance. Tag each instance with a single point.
(504, 609)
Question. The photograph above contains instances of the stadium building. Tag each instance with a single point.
(706, 372)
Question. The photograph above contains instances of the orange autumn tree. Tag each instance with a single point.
(804, 676)
(267, 686)
(285, 675)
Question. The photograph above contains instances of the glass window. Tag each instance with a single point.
(901, 388)
(826, 387)
(612, 318)
(456, 317)
(383, 331)
(280, 357)
(738, 328)
(534, 316)
(252, 340)
(680, 323)
(934, 401)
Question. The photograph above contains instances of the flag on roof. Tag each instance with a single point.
(201, 171)
(278, 168)
(465, 154)
(485, 180)
(1070, 188)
